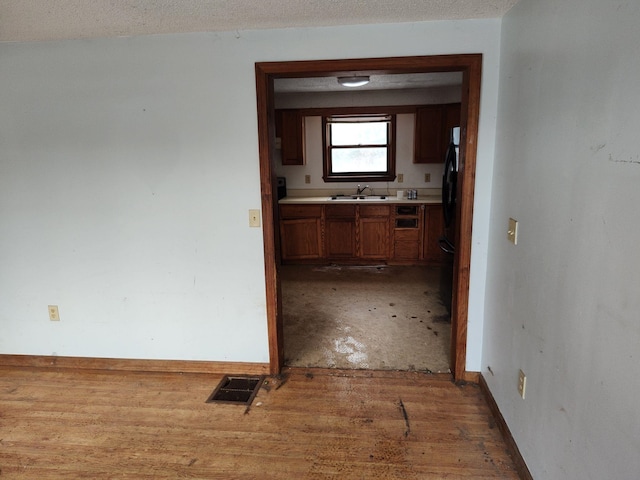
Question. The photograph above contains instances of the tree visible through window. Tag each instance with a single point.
(359, 147)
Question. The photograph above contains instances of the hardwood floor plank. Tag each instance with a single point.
(308, 425)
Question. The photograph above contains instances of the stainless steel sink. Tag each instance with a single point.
(358, 198)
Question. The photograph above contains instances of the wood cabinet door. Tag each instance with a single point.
(340, 238)
(451, 119)
(340, 231)
(428, 135)
(434, 229)
(292, 138)
(300, 238)
(374, 238)
(406, 245)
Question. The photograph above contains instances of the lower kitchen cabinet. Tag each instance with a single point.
(407, 233)
(433, 230)
(373, 232)
(362, 234)
(340, 232)
(301, 232)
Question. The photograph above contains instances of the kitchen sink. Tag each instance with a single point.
(359, 198)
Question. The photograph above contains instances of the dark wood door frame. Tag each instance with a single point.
(471, 67)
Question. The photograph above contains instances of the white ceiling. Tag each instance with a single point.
(40, 20)
(377, 82)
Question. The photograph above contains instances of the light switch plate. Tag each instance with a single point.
(512, 233)
(254, 218)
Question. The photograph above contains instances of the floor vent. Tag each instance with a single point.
(239, 390)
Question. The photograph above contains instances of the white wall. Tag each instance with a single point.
(563, 305)
(127, 167)
(413, 174)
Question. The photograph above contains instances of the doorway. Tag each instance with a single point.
(365, 317)
(266, 73)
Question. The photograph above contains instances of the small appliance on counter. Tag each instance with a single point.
(282, 187)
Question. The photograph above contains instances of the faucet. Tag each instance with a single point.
(359, 190)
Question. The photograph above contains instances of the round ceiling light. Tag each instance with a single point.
(355, 81)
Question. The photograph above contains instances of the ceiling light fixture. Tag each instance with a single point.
(356, 81)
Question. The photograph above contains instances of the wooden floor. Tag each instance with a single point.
(312, 424)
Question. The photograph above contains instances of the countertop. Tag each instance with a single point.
(425, 199)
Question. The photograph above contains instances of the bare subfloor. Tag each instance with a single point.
(378, 318)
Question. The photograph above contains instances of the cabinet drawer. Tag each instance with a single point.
(406, 250)
(407, 223)
(340, 211)
(300, 211)
(407, 210)
(407, 235)
(374, 210)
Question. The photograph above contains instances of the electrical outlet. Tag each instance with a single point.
(307, 179)
(400, 178)
(522, 383)
(427, 177)
(254, 218)
(512, 233)
(54, 314)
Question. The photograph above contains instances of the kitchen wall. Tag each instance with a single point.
(413, 174)
(563, 304)
(127, 169)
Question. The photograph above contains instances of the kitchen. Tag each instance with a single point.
(385, 237)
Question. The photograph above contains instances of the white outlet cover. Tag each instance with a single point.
(512, 233)
(54, 313)
(522, 383)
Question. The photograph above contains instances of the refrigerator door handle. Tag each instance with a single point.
(446, 245)
(449, 185)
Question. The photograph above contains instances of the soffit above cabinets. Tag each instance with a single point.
(39, 20)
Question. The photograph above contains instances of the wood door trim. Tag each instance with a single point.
(469, 116)
(471, 66)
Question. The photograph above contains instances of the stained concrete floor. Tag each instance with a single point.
(377, 318)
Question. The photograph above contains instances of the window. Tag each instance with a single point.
(359, 147)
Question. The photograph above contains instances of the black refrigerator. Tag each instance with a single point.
(449, 192)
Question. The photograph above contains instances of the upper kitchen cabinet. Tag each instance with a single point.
(428, 135)
(432, 127)
(451, 119)
(290, 130)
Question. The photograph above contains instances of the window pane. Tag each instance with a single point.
(359, 133)
(351, 160)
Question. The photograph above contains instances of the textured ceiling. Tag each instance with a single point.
(39, 20)
(377, 82)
